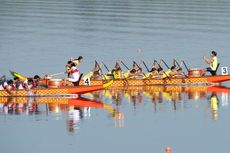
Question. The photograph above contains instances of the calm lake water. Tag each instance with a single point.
(39, 36)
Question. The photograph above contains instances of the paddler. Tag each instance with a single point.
(212, 61)
(170, 72)
(116, 71)
(30, 83)
(154, 72)
(74, 75)
(18, 84)
(7, 86)
(179, 72)
(134, 72)
(37, 80)
(178, 69)
(96, 72)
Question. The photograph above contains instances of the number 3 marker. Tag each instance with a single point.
(224, 70)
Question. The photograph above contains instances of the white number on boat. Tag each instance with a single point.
(87, 81)
(224, 70)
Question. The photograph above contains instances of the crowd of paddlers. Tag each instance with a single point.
(135, 71)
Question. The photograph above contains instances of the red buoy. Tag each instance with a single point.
(168, 149)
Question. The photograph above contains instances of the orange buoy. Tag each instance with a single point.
(168, 149)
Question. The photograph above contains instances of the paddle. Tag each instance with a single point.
(162, 69)
(179, 67)
(146, 66)
(125, 65)
(100, 70)
(139, 68)
(185, 66)
(165, 63)
(174, 60)
(105, 66)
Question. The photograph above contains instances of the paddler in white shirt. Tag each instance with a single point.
(75, 61)
(7, 86)
(74, 75)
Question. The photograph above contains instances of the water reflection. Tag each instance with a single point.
(178, 96)
(214, 104)
(11, 105)
(162, 98)
(76, 109)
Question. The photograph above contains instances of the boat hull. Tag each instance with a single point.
(167, 81)
(54, 91)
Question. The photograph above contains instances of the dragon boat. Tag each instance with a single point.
(183, 80)
(186, 80)
(62, 90)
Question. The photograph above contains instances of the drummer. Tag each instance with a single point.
(212, 61)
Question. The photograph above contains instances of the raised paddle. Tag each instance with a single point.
(139, 68)
(165, 63)
(185, 66)
(125, 65)
(146, 66)
(100, 69)
(162, 70)
(105, 66)
(179, 67)
(174, 60)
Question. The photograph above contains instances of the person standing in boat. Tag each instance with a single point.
(212, 61)
(74, 75)
(77, 61)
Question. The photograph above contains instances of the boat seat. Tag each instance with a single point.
(214, 72)
(78, 82)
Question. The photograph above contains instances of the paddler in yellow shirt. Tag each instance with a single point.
(117, 72)
(134, 72)
(170, 72)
